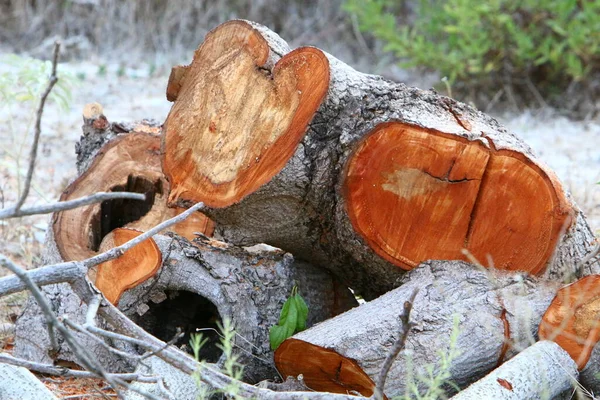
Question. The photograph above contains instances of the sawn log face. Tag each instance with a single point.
(308, 209)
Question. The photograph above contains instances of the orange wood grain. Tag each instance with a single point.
(323, 370)
(415, 194)
(573, 319)
(234, 125)
(135, 266)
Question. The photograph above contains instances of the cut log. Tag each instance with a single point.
(126, 163)
(573, 322)
(381, 178)
(573, 319)
(197, 286)
(236, 119)
(542, 371)
(19, 383)
(129, 270)
(415, 194)
(492, 314)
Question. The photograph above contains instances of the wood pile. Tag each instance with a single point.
(319, 179)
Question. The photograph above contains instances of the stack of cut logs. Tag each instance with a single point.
(316, 176)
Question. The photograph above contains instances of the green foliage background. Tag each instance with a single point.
(548, 43)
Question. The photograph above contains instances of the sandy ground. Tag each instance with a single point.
(571, 148)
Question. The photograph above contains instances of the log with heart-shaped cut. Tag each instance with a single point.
(235, 122)
(360, 175)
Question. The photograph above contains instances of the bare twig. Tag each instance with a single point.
(70, 271)
(405, 326)
(86, 359)
(38, 128)
(61, 371)
(14, 212)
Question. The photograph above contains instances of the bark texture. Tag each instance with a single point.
(19, 383)
(302, 208)
(484, 309)
(543, 370)
(97, 130)
(198, 285)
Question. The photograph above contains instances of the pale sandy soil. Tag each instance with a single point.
(571, 148)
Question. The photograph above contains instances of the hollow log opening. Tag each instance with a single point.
(188, 311)
(235, 122)
(119, 212)
(131, 163)
(415, 194)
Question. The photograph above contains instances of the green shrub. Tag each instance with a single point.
(547, 43)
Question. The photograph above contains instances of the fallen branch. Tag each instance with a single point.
(405, 327)
(71, 270)
(543, 370)
(38, 129)
(14, 212)
(61, 371)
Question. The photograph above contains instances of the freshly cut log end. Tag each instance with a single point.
(192, 225)
(572, 319)
(135, 266)
(235, 123)
(323, 370)
(415, 194)
(130, 163)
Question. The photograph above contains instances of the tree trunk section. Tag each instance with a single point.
(378, 179)
(128, 162)
(492, 314)
(543, 370)
(198, 285)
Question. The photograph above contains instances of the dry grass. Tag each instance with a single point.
(140, 30)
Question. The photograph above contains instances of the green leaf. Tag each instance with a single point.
(289, 313)
(277, 334)
(302, 313)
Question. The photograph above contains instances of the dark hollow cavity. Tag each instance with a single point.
(189, 312)
(119, 212)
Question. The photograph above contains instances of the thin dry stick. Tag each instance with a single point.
(14, 212)
(86, 359)
(405, 326)
(72, 270)
(38, 128)
(50, 369)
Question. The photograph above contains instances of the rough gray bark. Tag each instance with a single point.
(302, 210)
(542, 371)
(246, 286)
(97, 131)
(19, 383)
(181, 386)
(589, 376)
(448, 292)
